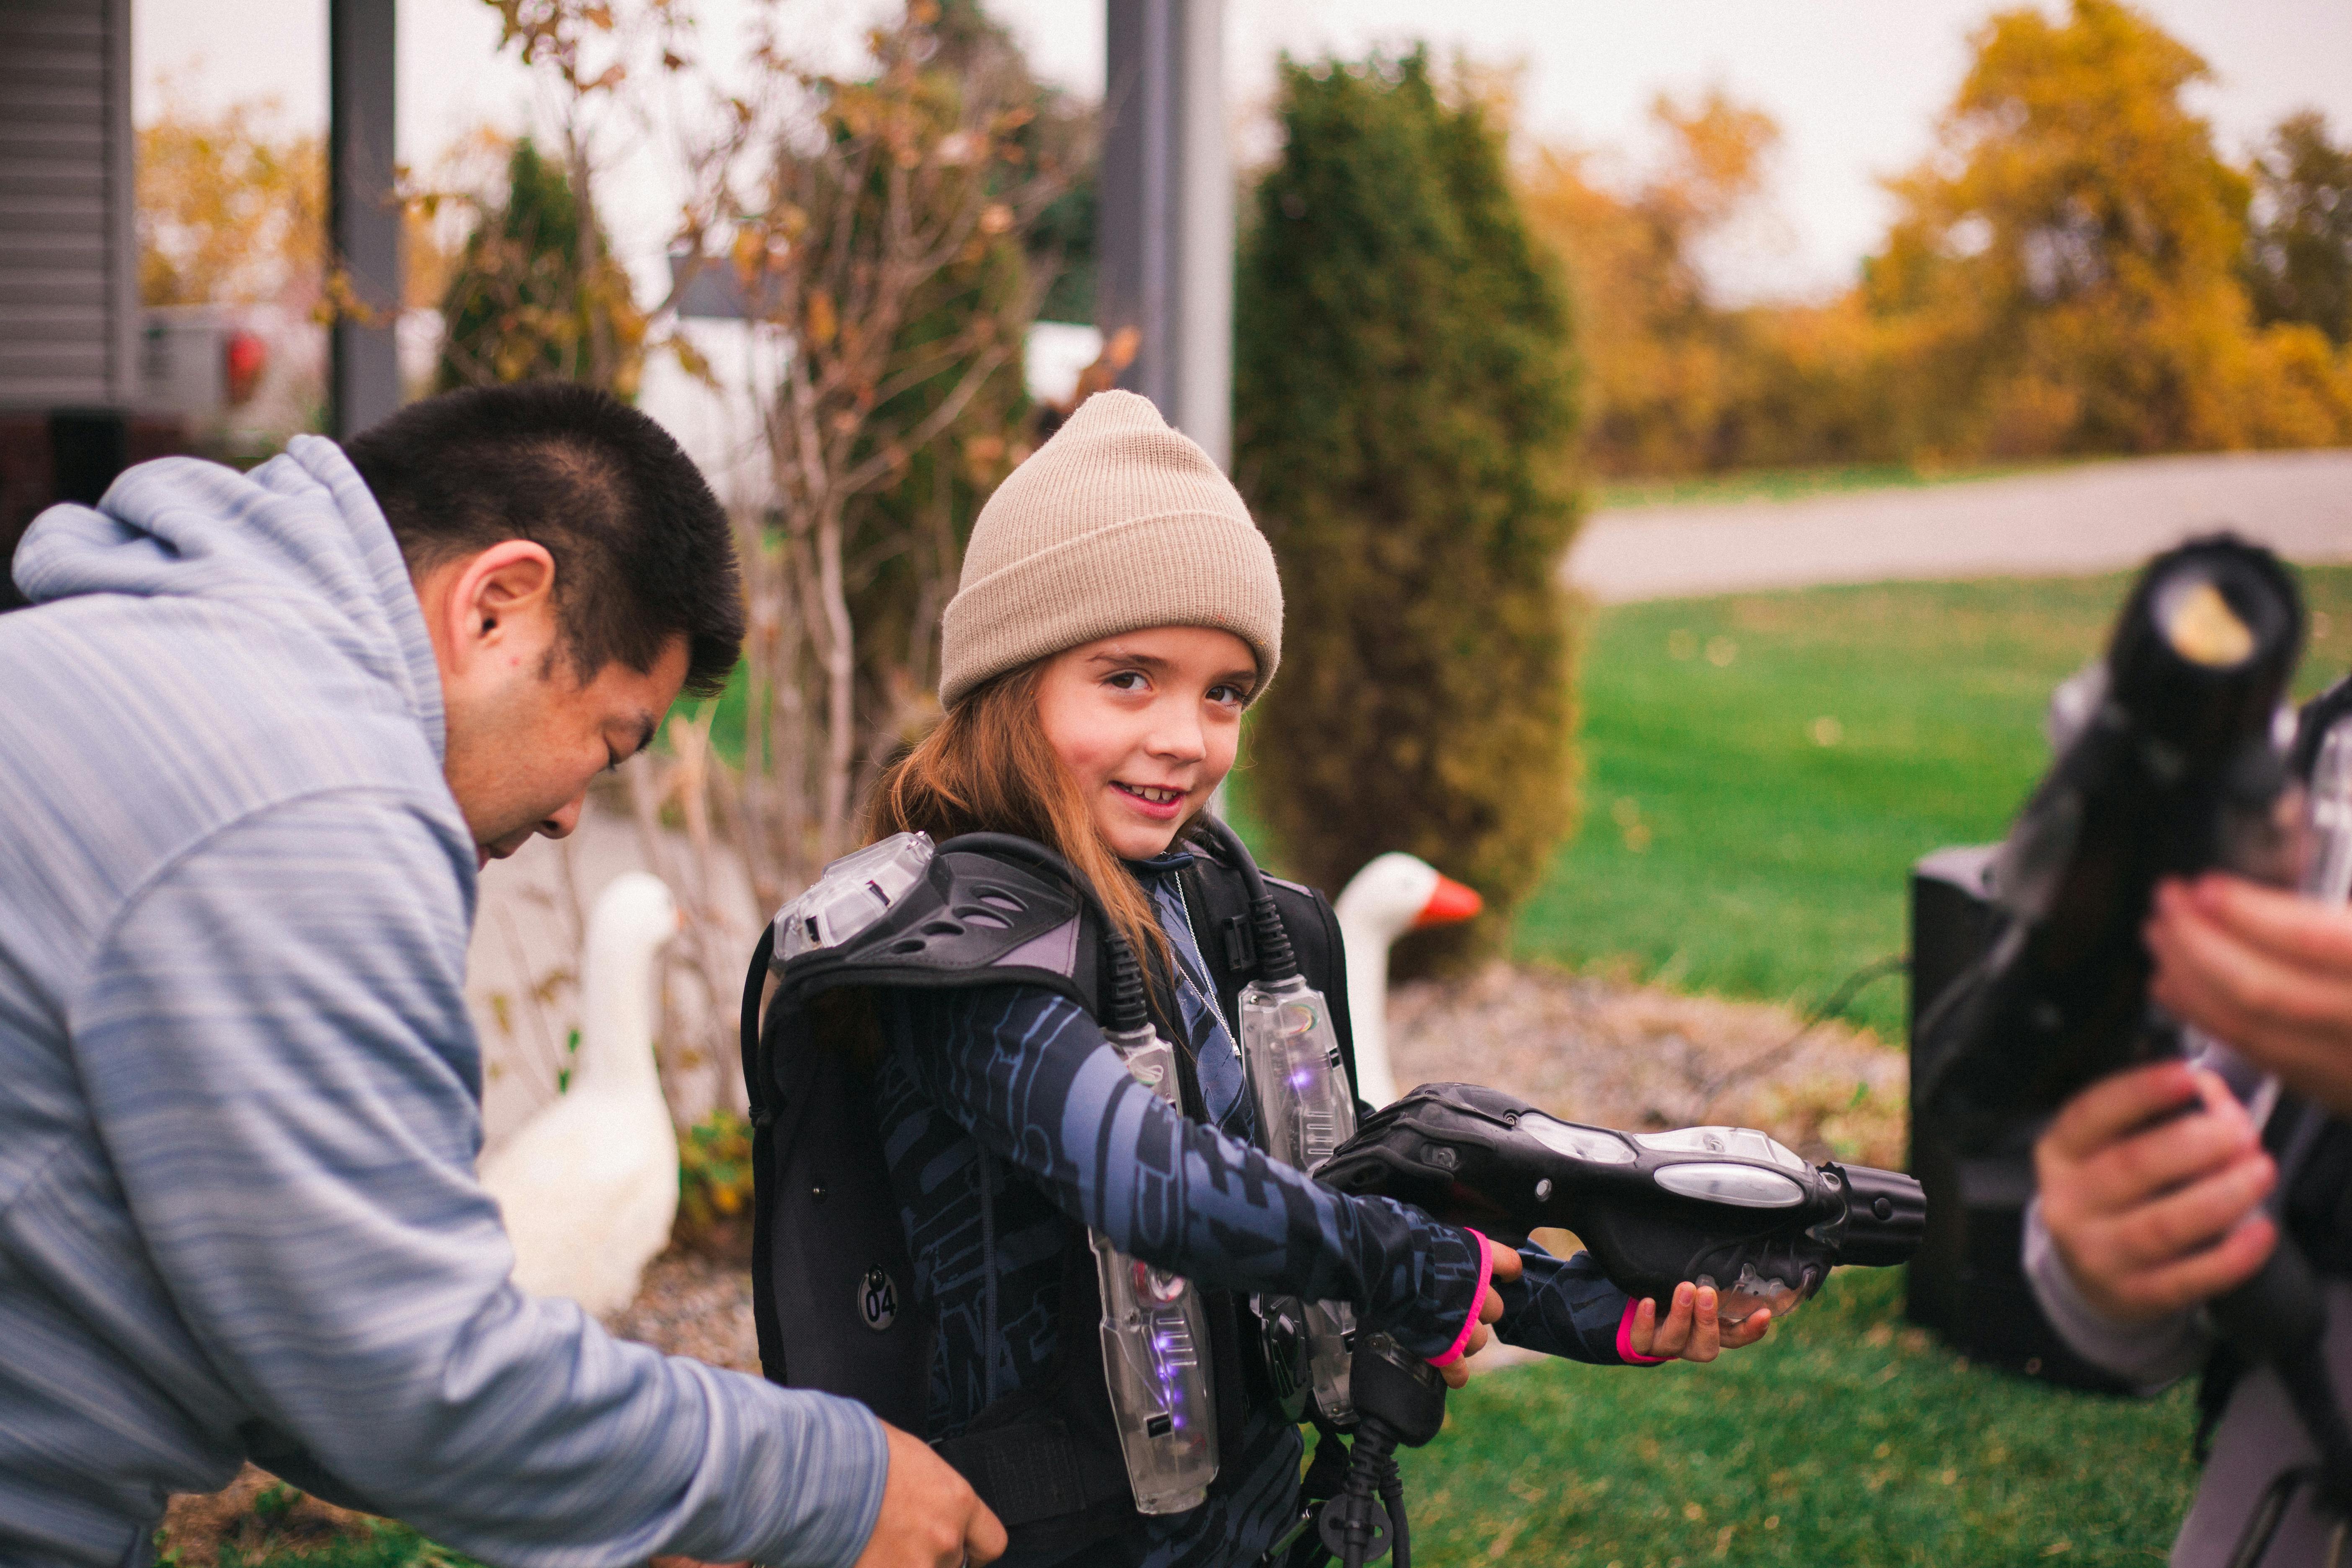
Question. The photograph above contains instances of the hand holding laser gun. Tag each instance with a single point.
(2153, 1182)
(1727, 1225)
(2150, 1171)
(2175, 773)
(1689, 1216)
(1671, 1217)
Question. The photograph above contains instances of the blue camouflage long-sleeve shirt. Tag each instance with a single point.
(1006, 1115)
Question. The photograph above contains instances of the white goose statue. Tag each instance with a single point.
(1394, 893)
(589, 1185)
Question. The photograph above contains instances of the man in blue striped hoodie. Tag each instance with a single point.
(258, 735)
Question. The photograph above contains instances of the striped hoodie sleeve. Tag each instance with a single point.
(273, 1041)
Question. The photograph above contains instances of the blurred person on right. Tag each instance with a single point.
(2155, 1186)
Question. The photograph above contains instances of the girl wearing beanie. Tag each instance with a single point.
(1117, 612)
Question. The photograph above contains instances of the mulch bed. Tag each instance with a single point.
(1586, 1048)
(1610, 1054)
(258, 1514)
(695, 1303)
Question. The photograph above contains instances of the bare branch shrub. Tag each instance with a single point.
(881, 223)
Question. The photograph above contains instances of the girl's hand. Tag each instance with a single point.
(1691, 1331)
(1506, 1266)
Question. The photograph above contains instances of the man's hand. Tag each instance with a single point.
(2268, 972)
(1691, 1330)
(2151, 1215)
(930, 1516)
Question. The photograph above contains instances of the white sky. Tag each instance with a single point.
(1855, 84)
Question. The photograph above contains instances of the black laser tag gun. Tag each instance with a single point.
(2174, 767)
(1727, 1207)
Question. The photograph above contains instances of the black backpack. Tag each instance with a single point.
(832, 1280)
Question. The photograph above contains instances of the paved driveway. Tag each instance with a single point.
(2099, 517)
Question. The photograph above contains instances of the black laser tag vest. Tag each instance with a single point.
(832, 1285)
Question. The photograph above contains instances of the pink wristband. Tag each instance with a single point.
(1625, 1340)
(1478, 1298)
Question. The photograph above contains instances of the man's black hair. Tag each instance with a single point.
(643, 551)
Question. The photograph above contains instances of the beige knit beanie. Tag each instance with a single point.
(1116, 524)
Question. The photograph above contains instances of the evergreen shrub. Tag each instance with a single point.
(1404, 426)
(523, 305)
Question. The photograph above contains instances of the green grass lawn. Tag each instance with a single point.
(1846, 1438)
(1761, 769)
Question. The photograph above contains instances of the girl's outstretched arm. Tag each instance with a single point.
(1567, 1307)
(1029, 1075)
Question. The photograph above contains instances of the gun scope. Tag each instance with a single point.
(2174, 769)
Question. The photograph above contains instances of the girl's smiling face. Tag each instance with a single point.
(1147, 722)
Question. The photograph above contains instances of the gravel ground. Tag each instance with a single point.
(1614, 1055)
(696, 1304)
(1588, 1049)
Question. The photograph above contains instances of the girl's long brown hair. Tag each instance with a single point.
(987, 767)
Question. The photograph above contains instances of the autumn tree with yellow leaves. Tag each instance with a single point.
(1674, 381)
(1661, 358)
(2069, 272)
(879, 230)
(2064, 273)
(229, 211)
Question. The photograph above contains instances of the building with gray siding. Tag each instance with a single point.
(69, 257)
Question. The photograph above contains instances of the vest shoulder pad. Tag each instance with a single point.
(900, 913)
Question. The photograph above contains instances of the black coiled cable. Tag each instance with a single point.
(1392, 1499)
(1353, 1526)
(1275, 961)
(1356, 1529)
(1400, 1399)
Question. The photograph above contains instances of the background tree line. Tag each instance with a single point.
(2076, 268)
(1433, 342)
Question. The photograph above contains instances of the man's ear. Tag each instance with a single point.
(502, 601)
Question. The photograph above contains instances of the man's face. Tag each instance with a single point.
(525, 734)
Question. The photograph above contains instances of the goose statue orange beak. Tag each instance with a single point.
(1449, 904)
(1392, 894)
